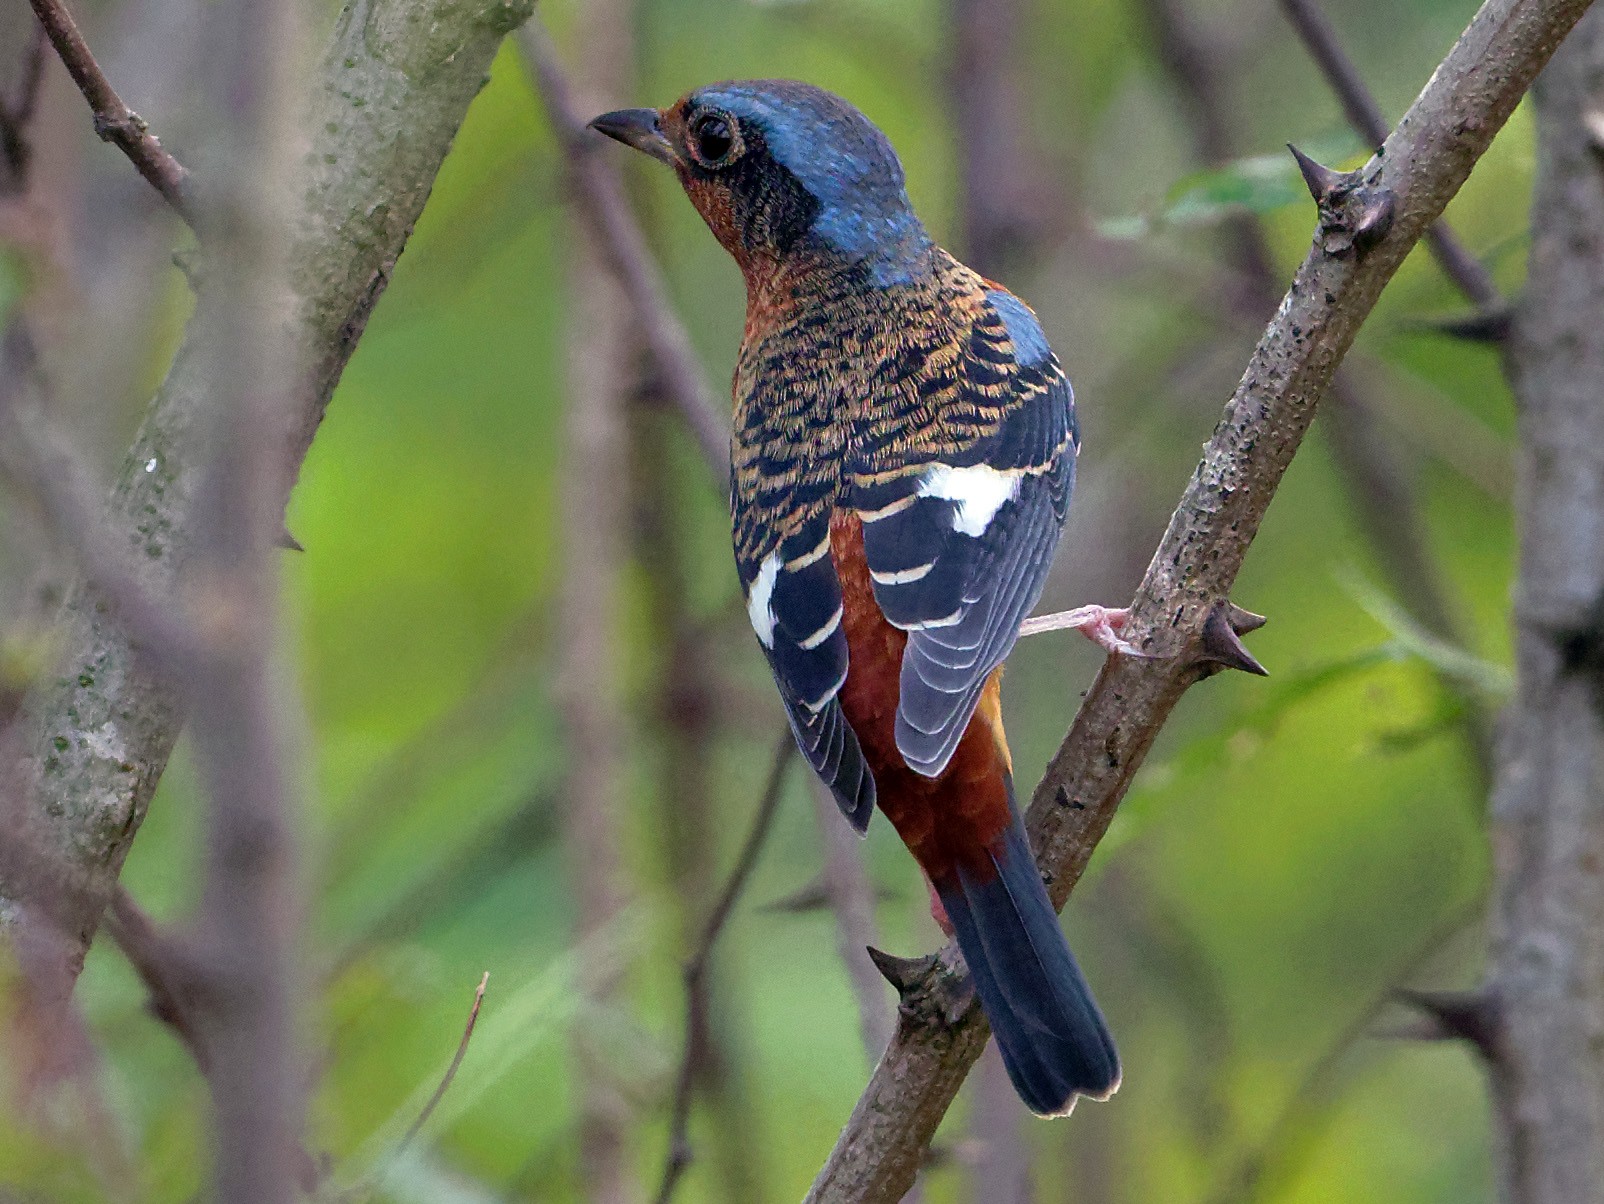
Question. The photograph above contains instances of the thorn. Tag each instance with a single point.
(1490, 326)
(1374, 219)
(1243, 621)
(1223, 646)
(1322, 180)
(285, 540)
(1458, 1016)
(906, 974)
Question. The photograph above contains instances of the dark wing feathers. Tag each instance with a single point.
(960, 467)
(959, 543)
(945, 667)
(795, 603)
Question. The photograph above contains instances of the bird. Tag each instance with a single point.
(902, 458)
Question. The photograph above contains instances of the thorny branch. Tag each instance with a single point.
(1367, 226)
(1392, 524)
(115, 122)
(679, 1144)
(1384, 506)
(1364, 115)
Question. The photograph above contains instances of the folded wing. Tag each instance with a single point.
(960, 537)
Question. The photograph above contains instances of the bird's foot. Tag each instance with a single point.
(1100, 624)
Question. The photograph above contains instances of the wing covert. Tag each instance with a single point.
(960, 540)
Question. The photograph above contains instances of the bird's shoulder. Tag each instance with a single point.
(975, 382)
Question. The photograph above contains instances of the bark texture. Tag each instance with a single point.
(1367, 226)
(1547, 975)
(390, 93)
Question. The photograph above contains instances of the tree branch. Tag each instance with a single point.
(1385, 509)
(1426, 160)
(679, 1144)
(602, 360)
(1546, 971)
(390, 94)
(245, 721)
(1364, 115)
(115, 122)
(600, 189)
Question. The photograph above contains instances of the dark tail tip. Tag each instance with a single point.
(1051, 1034)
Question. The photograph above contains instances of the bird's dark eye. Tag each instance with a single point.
(713, 139)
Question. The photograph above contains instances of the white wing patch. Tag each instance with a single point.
(759, 599)
(979, 490)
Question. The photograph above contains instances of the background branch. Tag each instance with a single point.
(600, 188)
(99, 734)
(603, 383)
(1545, 980)
(680, 1152)
(115, 122)
(1426, 160)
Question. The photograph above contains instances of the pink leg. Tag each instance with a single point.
(1100, 624)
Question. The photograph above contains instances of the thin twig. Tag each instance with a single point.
(688, 707)
(601, 192)
(115, 122)
(160, 966)
(680, 1153)
(451, 1070)
(1319, 36)
(1427, 158)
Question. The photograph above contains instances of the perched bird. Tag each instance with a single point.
(904, 448)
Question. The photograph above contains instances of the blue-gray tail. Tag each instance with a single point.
(1052, 1036)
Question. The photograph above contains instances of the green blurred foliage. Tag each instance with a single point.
(1291, 847)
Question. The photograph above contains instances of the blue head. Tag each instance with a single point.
(783, 171)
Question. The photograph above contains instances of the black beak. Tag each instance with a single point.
(637, 128)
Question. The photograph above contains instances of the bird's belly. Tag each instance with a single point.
(946, 820)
